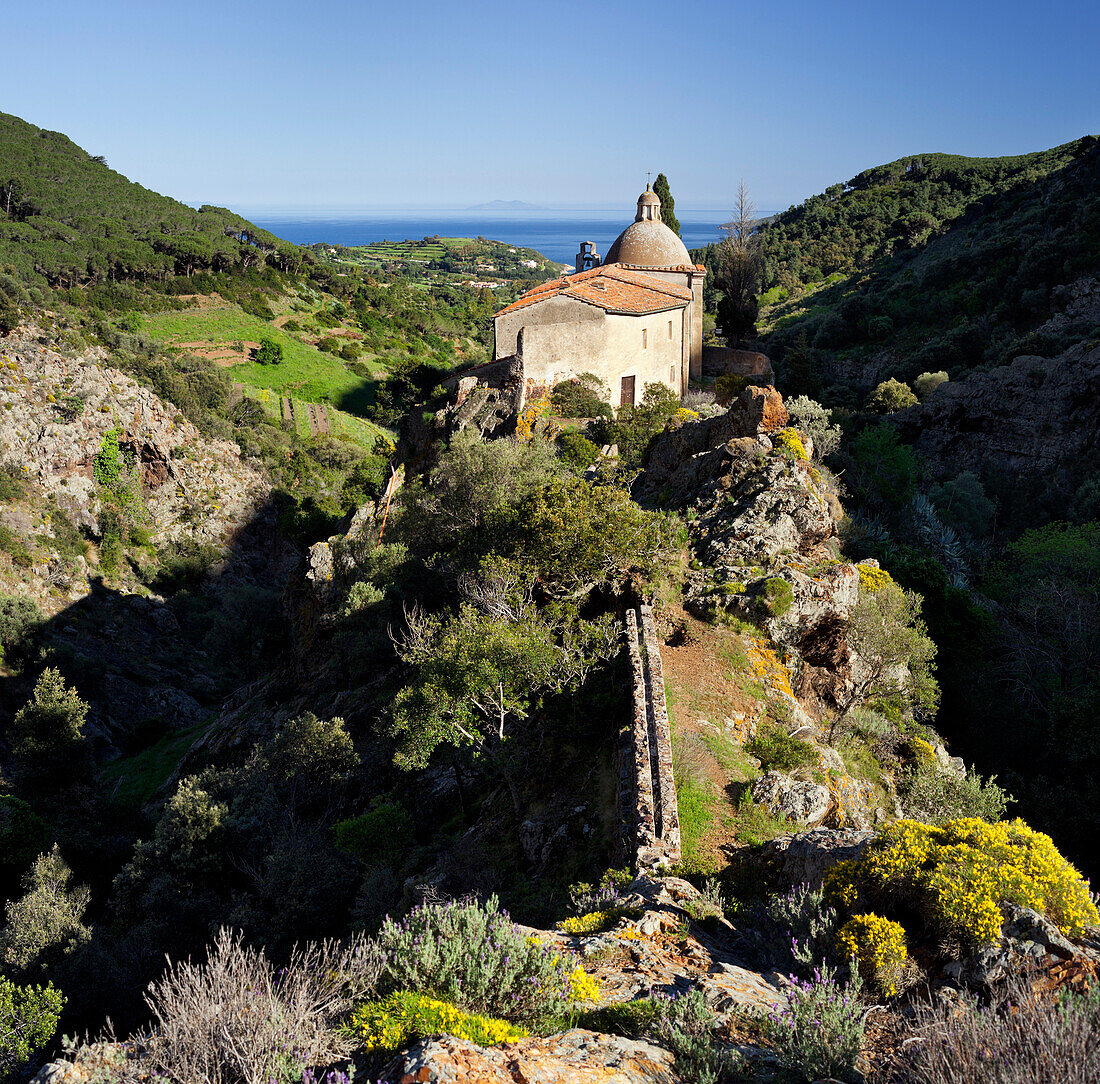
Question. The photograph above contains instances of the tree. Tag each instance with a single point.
(478, 675)
(668, 204)
(45, 923)
(889, 396)
(28, 1021)
(895, 655)
(48, 731)
(738, 272)
(270, 352)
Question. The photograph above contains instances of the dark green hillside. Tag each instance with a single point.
(933, 262)
(67, 218)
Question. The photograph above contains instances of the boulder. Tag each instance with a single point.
(797, 800)
(571, 1057)
(805, 857)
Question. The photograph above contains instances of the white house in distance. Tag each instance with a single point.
(632, 319)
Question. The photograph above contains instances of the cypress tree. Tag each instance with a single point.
(668, 204)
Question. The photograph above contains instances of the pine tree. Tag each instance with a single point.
(668, 204)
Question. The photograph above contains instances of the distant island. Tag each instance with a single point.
(504, 205)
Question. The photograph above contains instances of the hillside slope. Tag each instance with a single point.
(931, 263)
(67, 218)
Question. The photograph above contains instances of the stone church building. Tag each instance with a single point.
(633, 318)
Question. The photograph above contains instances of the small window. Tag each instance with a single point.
(672, 375)
(670, 329)
(643, 338)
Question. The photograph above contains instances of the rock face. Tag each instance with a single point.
(797, 800)
(54, 411)
(806, 857)
(573, 1057)
(1034, 417)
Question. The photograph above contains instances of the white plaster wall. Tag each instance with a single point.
(574, 318)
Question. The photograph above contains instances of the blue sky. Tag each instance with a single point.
(446, 104)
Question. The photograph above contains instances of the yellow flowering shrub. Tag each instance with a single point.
(593, 922)
(405, 1016)
(873, 579)
(789, 443)
(535, 418)
(681, 415)
(583, 986)
(923, 752)
(878, 947)
(956, 874)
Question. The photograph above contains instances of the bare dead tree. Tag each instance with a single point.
(739, 268)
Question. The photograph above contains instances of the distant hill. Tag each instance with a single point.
(504, 205)
(68, 219)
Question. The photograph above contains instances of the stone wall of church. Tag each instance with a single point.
(648, 348)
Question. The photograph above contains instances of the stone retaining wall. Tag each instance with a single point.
(651, 819)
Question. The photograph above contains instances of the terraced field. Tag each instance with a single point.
(300, 389)
(315, 419)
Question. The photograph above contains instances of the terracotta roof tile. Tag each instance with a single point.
(613, 288)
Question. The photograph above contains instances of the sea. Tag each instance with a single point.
(554, 233)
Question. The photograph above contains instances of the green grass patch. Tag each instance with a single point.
(133, 781)
(305, 371)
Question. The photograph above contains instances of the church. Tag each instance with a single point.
(633, 318)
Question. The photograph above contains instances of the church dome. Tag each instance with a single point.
(647, 241)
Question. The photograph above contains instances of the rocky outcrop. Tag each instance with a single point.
(797, 800)
(572, 1057)
(486, 398)
(1036, 417)
(805, 858)
(54, 411)
(660, 950)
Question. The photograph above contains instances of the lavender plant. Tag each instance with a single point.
(819, 1029)
(474, 957)
(685, 1024)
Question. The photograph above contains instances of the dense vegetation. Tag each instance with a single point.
(434, 734)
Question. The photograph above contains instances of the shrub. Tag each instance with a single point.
(778, 751)
(936, 795)
(12, 482)
(884, 467)
(383, 834)
(819, 1028)
(710, 904)
(23, 835)
(776, 597)
(789, 444)
(235, 1020)
(798, 928)
(584, 898)
(405, 1016)
(28, 1021)
(962, 503)
(46, 921)
(577, 450)
(474, 957)
(814, 420)
(47, 731)
(927, 383)
(593, 922)
(317, 752)
(686, 1025)
(955, 875)
(886, 631)
(583, 398)
(873, 579)
(1028, 1037)
(728, 387)
(877, 946)
(889, 396)
(19, 619)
